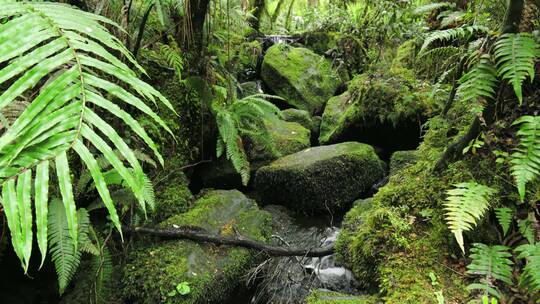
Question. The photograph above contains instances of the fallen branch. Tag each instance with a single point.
(238, 241)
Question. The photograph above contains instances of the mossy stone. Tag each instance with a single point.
(402, 159)
(304, 79)
(299, 116)
(248, 88)
(320, 178)
(283, 138)
(173, 195)
(319, 41)
(153, 270)
(330, 297)
(374, 99)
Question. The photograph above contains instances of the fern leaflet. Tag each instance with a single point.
(530, 277)
(466, 204)
(515, 55)
(504, 216)
(525, 161)
(492, 263)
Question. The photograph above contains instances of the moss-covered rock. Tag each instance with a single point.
(299, 116)
(248, 88)
(304, 79)
(395, 243)
(375, 99)
(402, 159)
(153, 270)
(172, 195)
(279, 138)
(330, 297)
(320, 178)
(249, 53)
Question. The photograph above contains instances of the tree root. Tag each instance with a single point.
(239, 241)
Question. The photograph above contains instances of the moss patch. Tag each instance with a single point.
(154, 269)
(320, 178)
(298, 116)
(377, 98)
(304, 79)
(329, 297)
(402, 159)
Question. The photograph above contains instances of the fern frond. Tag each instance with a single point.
(505, 217)
(492, 263)
(466, 204)
(102, 267)
(526, 229)
(530, 277)
(480, 81)
(463, 32)
(525, 161)
(234, 148)
(515, 55)
(65, 256)
(66, 59)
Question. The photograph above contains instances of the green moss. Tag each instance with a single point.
(402, 159)
(306, 180)
(304, 79)
(329, 297)
(298, 116)
(172, 195)
(388, 97)
(395, 243)
(154, 269)
(274, 139)
(406, 55)
(248, 54)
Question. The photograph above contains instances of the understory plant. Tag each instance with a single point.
(65, 84)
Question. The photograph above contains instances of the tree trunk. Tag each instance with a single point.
(258, 9)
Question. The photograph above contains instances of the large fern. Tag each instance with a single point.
(480, 81)
(515, 55)
(530, 277)
(237, 116)
(525, 161)
(449, 35)
(466, 204)
(63, 58)
(492, 263)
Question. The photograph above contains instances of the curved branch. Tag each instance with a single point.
(239, 241)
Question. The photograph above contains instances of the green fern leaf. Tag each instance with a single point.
(492, 263)
(504, 216)
(480, 81)
(525, 161)
(65, 256)
(526, 229)
(451, 34)
(515, 55)
(466, 204)
(65, 61)
(530, 277)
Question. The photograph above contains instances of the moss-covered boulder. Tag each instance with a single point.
(330, 297)
(248, 88)
(320, 178)
(402, 159)
(304, 79)
(299, 116)
(274, 139)
(373, 100)
(155, 269)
